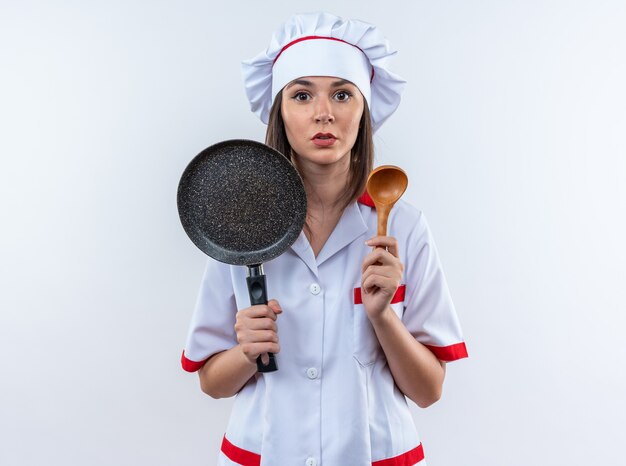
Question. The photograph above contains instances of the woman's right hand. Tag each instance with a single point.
(257, 332)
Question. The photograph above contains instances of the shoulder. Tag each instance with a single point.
(402, 209)
(404, 219)
(407, 211)
(215, 266)
(407, 221)
(218, 276)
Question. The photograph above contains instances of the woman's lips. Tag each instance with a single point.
(324, 139)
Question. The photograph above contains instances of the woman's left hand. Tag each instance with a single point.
(382, 274)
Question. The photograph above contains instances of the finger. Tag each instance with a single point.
(260, 310)
(379, 257)
(386, 285)
(388, 274)
(374, 257)
(262, 323)
(259, 336)
(264, 336)
(369, 285)
(253, 350)
(274, 306)
(376, 270)
(246, 324)
(388, 242)
(385, 273)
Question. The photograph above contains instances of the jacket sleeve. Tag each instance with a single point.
(212, 325)
(429, 312)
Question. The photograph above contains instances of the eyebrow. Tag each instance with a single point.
(341, 82)
(304, 82)
(301, 82)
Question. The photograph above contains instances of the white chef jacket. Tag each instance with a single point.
(333, 401)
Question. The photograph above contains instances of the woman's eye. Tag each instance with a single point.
(342, 96)
(301, 96)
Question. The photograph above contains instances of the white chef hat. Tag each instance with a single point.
(321, 44)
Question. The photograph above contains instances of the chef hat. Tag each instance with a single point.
(321, 44)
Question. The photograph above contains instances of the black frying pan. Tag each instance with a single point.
(243, 203)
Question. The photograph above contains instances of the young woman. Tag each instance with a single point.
(358, 322)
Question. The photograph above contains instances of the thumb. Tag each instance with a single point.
(273, 304)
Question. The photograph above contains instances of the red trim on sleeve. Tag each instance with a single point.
(366, 200)
(239, 455)
(397, 298)
(405, 459)
(189, 365)
(449, 353)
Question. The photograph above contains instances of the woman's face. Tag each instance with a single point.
(321, 116)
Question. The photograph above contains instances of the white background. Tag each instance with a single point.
(513, 132)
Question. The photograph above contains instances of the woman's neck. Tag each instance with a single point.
(325, 184)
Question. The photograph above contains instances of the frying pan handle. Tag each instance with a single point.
(258, 295)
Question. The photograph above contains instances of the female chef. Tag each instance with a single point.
(356, 329)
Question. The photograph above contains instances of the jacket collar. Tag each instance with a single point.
(351, 226)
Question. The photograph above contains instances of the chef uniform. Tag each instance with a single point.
(333, 401)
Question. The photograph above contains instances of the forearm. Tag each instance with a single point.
(415, 369)
(225, 373)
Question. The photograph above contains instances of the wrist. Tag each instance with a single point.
(383, 318)
(244, 357)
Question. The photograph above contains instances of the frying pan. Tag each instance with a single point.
(243, 203)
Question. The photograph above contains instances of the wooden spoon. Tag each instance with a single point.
(385, 185)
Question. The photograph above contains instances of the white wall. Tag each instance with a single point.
(512, 130)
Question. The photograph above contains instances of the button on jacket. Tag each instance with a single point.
(333, 400)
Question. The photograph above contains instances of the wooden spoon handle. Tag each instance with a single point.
(382, 213)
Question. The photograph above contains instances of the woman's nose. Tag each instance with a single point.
(323, 112)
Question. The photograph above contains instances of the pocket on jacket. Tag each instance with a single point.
(366, 345)
(367, 348)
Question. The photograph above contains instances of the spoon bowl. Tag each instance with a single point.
(385, 185)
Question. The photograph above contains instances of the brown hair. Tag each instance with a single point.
(361, 157)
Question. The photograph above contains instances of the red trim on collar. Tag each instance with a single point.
(366, 199)
(189, 365)
(300, 39)
(449, 353)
